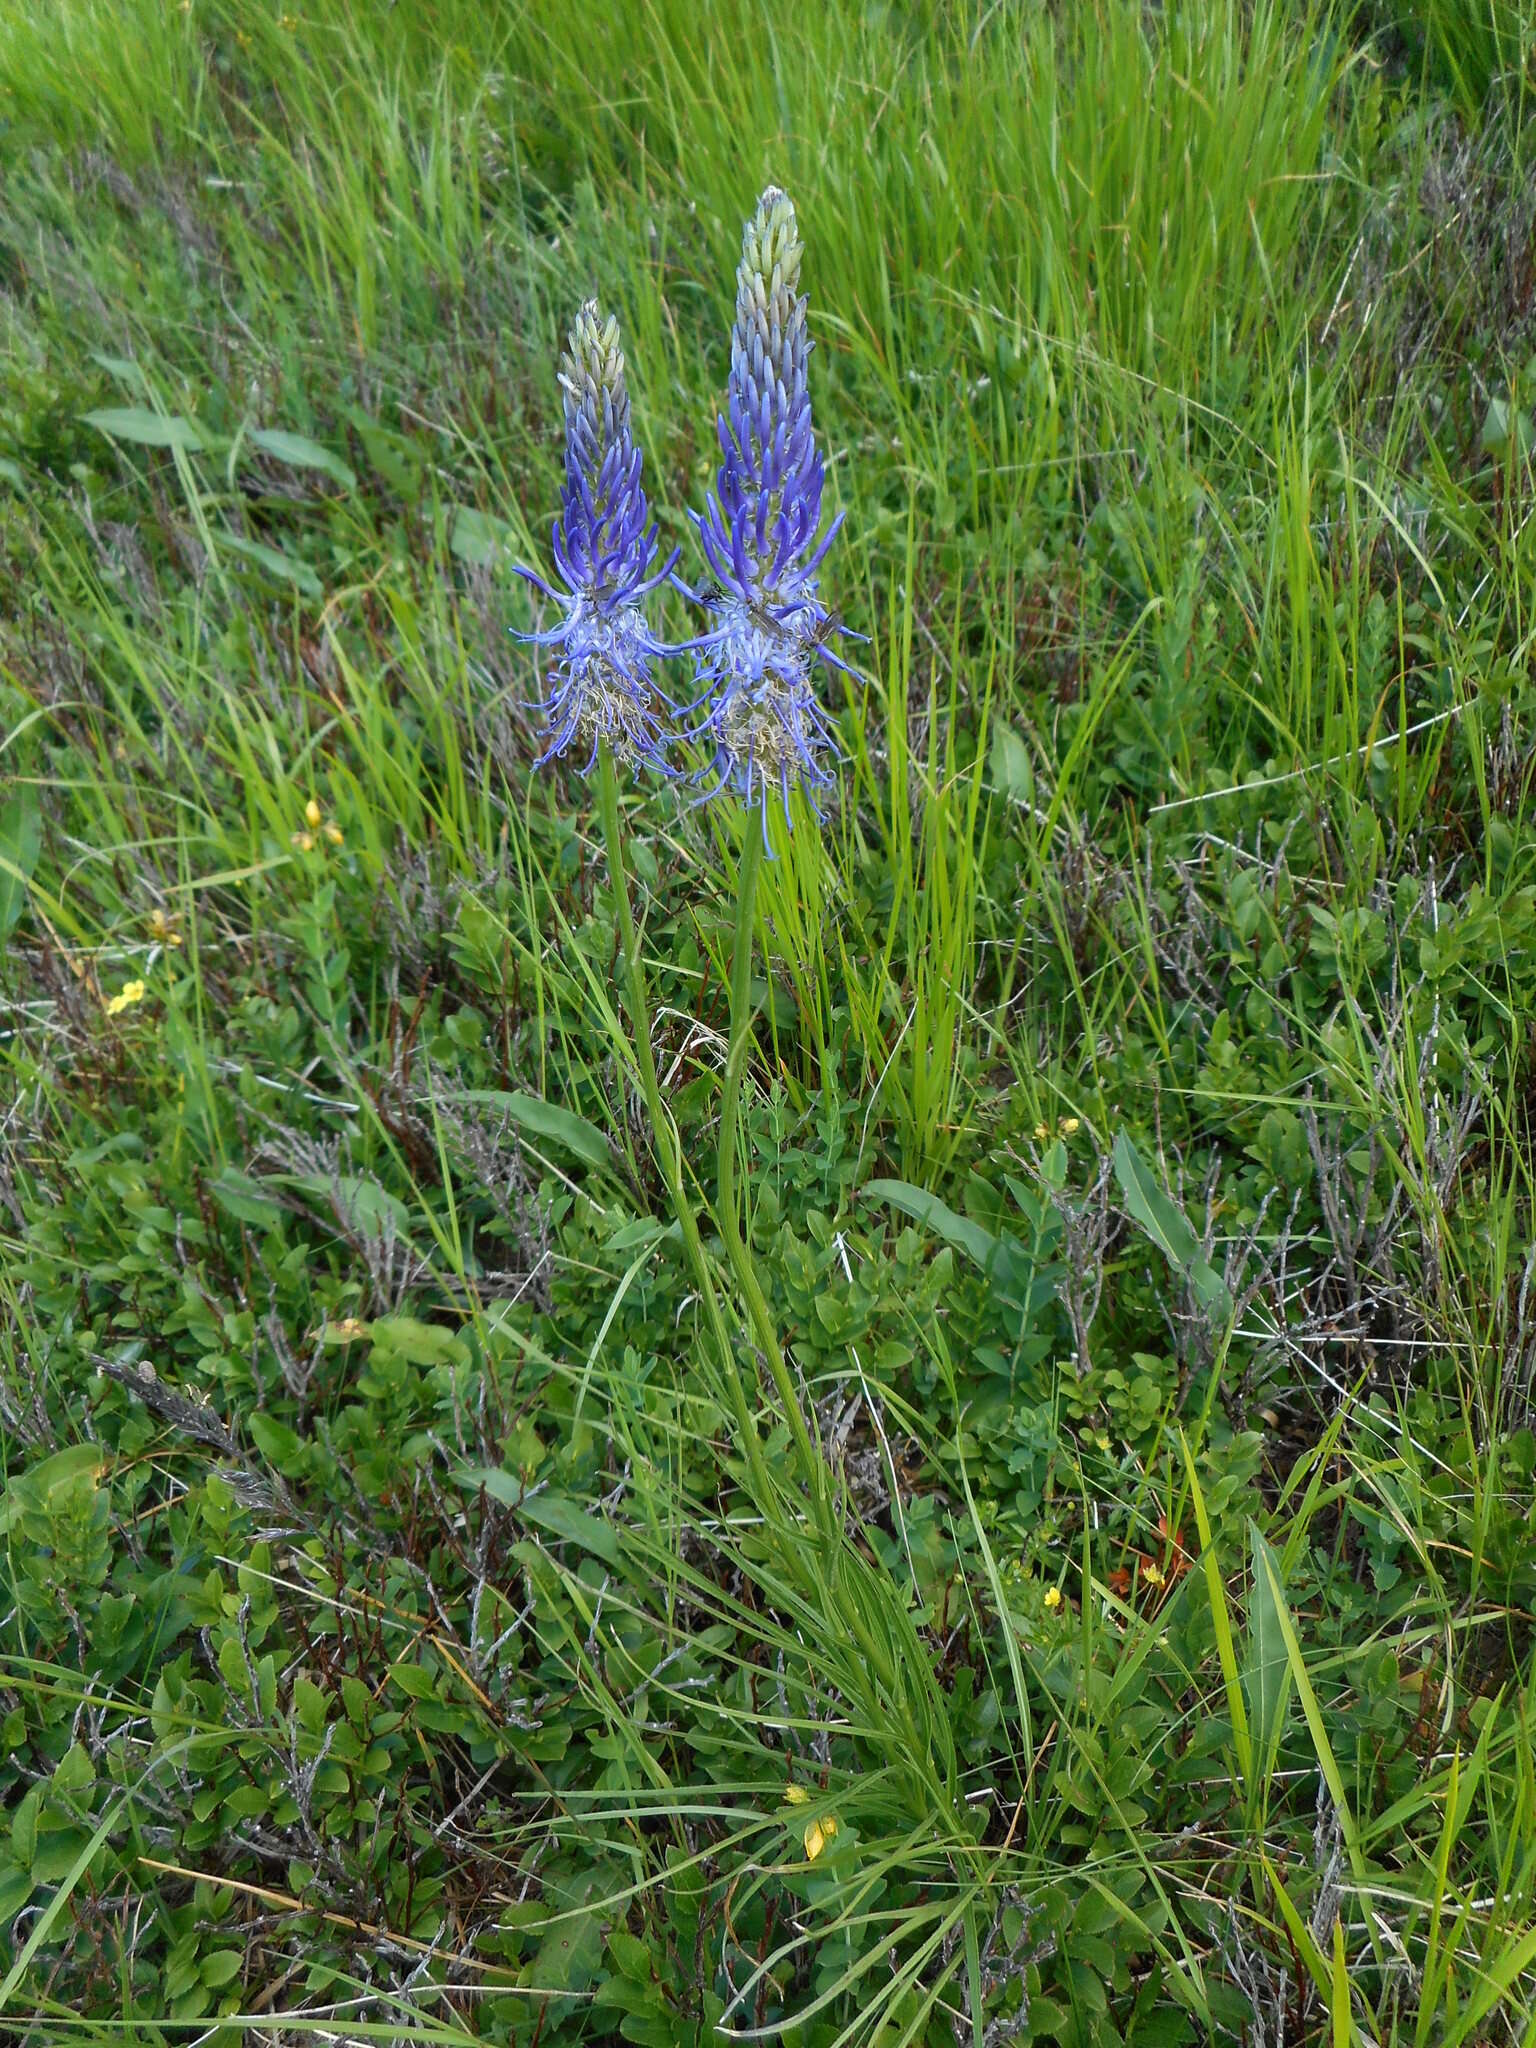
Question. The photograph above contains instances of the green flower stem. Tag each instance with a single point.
(812, 1462)
(668, 1149)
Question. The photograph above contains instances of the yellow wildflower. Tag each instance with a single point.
(1042, 1133)
(130, 993)
(334, 834)
(162, 930)
(1069, 1125)
(303, 842)
(313, 815)
(795, 1795)
(817, 1835)
(348, 1330)
(1053, 1597)
(1153, 1574)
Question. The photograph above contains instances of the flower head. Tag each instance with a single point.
(603, 546)
(818, 1833)
(130, 993)
(759, 535)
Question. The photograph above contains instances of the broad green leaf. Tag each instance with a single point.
(1328, 1763)
(417, 1342)
(966, 1236)
(275, 1440)
(275, 562)
(1266, 1669)
(42, 1927)
(24, 1827)
(551, 1512)
(1013, 774)
(479, 537)
(571, 1954)
(309, 1705)
(1226, 1648)
(415, 1682)
(364, 1203)
(13, 472)
(1168, 1227)
(549, 1121)
(301, 453)
(395, 456)
(564, 1520)
(246, 1200)
(123, 368)
(639, 1232)
(1338, 2000)
(21, 840)
(1503, 423)
(52, 1475)
(146, 429)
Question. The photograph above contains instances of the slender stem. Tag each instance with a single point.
(668, 1148)
(726, 1216)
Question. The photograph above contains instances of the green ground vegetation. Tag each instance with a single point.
(1136, 1135)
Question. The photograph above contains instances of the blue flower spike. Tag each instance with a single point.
(601, 686)
(761, 712)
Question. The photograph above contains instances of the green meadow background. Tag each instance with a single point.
(1137, 1135)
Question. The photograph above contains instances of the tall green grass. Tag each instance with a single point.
(1184, 792)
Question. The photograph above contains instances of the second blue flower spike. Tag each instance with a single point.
(768, 728)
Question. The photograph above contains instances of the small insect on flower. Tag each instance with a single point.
(761, 712)
(600, 687)
(130, 993)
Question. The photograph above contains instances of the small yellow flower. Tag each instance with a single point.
(795, 1795)
(334, 834)
(348, 1330)
(313, 815)
(1102, 1441)
(130, 993)
(1053, 1597)
(303, 842)
(817, 1835)
(1154, 1574)
(162, 930)
(1068, 1126)
(1042, 1133)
